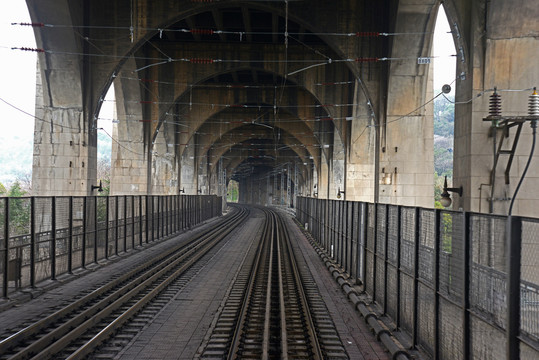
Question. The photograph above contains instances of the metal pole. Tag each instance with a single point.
(107, 214)
(436, 277)
(6, 247)
(33, 241)
(95, 229)
(375, 251)
(53, 240)
(514, 242)
(133, 220)
(140, 219)
(386, 259)
(84, 235)
(416, 279)
(466, 330)
(125, 223)
(399, 278)
(117, 223)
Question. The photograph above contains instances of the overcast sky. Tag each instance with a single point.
(18, 68)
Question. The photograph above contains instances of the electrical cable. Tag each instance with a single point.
(534, 134)
(38, 118)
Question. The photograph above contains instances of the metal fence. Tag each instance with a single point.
(451, 280)
(44, 237)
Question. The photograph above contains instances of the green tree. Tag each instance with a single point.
(19, 210)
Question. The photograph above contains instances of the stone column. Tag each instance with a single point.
(500, 50)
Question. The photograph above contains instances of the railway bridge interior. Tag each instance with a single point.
(286, 97)
(309, 103)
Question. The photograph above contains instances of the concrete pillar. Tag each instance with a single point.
(164, 166)
(188, 173)
(65, 147)
(499, 50)
(360, 174)
(129, 165)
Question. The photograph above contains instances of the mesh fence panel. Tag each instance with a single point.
(102, 226)
(380, 280)
(63, 236)
(393, 231)
(488, 240)
(43, 228)
(450, 328)
(78, 231)
(407, 303)
(113, 227)
(392, 289)
(356, 246)
(487, 342)
(3, 244)
(349, 233)
(369, 254)
(121, 224)
(487, 283)
(129, 222)
(136, 220)
(90, 229)
(407, 239)
(380, 246)
(425, 317)
(451, 254)
(426, 245)
(529, 285)
(19, 242)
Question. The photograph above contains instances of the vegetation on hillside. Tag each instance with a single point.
(444, 125)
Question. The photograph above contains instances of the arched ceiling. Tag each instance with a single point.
(244, 74)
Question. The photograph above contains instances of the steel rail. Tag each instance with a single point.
(267, 314)
(166, 260)
(238, 332)
(284, 338)
(316, 349)
(274, 267)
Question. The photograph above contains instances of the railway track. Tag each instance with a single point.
(273, 310)
(76, 330)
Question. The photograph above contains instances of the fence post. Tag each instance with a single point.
(53, 239)
(466, 331)
(416, 277)
(107, 228)
(146, 219)
(117, 222)
(436, 277)
(70, 243)
(514, 242)
(33, 242)
(140, 218)
(96, 227)
(386, 257)
(125, 223)
(84, 234)
(363, 243)
(374, 250)
(399, 242)
(6, 247)
(133, 220)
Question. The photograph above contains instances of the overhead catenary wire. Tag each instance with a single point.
(201, 31)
